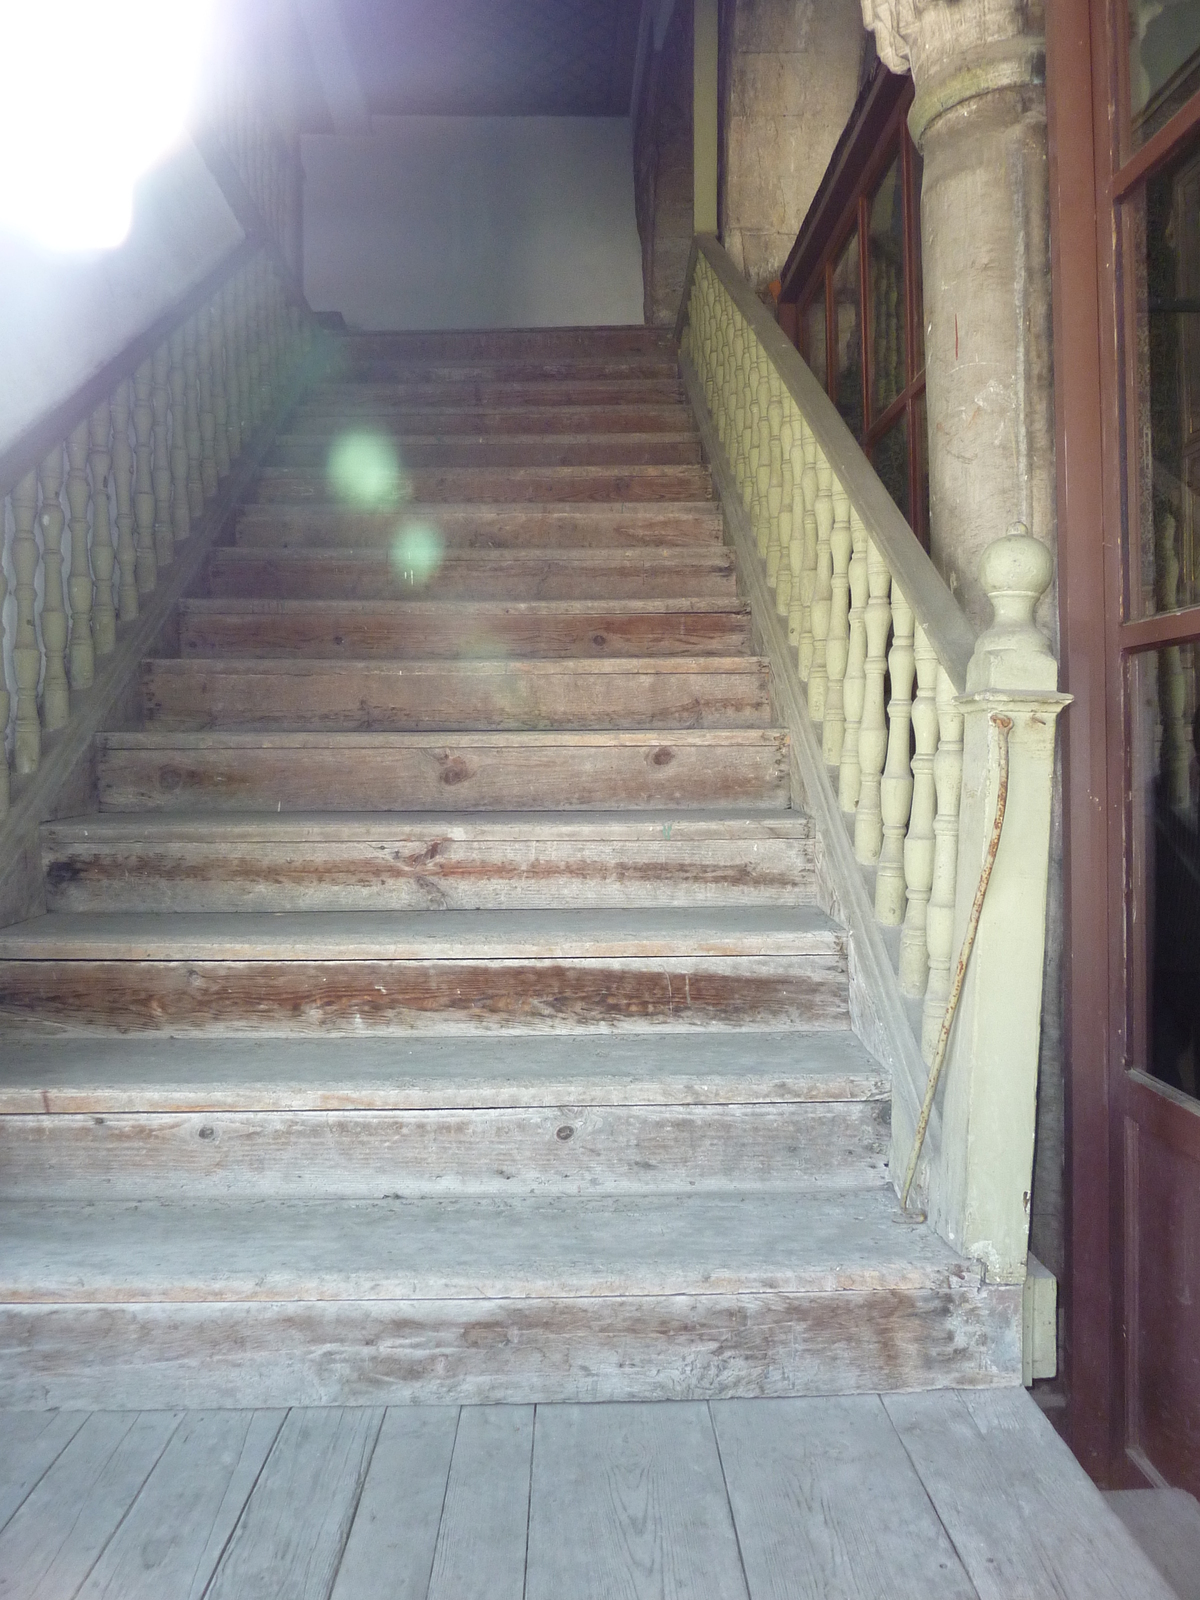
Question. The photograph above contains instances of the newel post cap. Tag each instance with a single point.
(1013, 653)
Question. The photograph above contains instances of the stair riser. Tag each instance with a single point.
(500, 776)
(184, 694)
(425, 874)
(629, 367)
(517, 484)
(314, 420)
(461, 1352)
(618, 451)
(369, 400)
(244, 574)
(486, 528)
(511, 344)
(377, 1155)
(309, 997)
(408, 631)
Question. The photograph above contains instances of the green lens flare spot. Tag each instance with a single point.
(417, 553)
(364, 470)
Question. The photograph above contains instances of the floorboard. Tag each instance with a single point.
(33, 1441)
(1166, 1524)
(482, 1542)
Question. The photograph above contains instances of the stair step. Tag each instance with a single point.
(442, 972)
(225, 772)
(421, 450)
(374, 366)
(517, 484)
(508, 343)
(487, 526)
(398, 862)
(459, 629)
(370, 398)
(537, 574)
(547, 1297)
(669, 692)
(314, 418)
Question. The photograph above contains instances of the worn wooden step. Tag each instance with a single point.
(238, 771)
(517, 574)
(440, 972)
(279, 1302)
(416, 629)
(368, 399)
(425, 449)
(634, 692)
(459, 1120)
(367, 366)
(315, 418)
(487, 526)
(470, 344)
(301, 485)
(396, 862)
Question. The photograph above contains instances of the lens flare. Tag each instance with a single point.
(417, 553)
(364, 470)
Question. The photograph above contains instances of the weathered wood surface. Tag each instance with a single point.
(423, 448)
(226, 772)
(369, 366)
(625, 693)
(1022, 1519)
(392, 1541)
(485, 630)
(641, 1491)
(1165, 1523)
(316, 418)
(147, 862)
(32, 1443)
(536, 574)
(290, 484)
(469, 344)
(481, 1542)
(484, 526)
(828, 1504)
(370, 1154)
(105, 1076)
(367, 398)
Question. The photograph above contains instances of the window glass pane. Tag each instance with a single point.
(890, 459)
(885, 273)
(813, 340)
(847, 311)
(1164, 61)
(918, 168)
(1164, 229)
(1165, 892)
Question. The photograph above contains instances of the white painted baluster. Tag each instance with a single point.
(808, 564)
(254, 386)
(5, 705)
(749, 391)
(191, 421)
(181, 512)
(854, 684)
(206, 417)
(122, 471)
(796, 545)
(145, 565)
(822, 594)
(763, 484)
(56, 701)
(160, 476)
(233, 370)
(837, 643)
(783, 518)
(79, 584)
(774, 491)
(896, 788)
(27, 653)
(919, 840)
(872, 732)
(939, 921)
(104, 616)
(755, 447)
(220, 398)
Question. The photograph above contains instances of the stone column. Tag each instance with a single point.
(979, 119)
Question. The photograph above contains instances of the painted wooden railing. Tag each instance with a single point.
(240, 138)
(890, 698)
(103, 498)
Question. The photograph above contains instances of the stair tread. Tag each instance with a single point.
(565, 738)
(449, 667)
(544, 934)
(483, 1248)
(97, 1075)
(251, 606)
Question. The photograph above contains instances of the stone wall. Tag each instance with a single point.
(790, 72)
(662, 165)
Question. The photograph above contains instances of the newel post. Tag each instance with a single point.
(979, 1184)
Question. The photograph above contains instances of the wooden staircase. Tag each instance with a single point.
(438, 1004)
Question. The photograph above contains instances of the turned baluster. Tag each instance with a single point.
(808, 562)
(227, 301)
(837, 643)
(854, 683)
(56, 701)
(729, 381)
(27, 653)
(262, 302)
(872, 730)
(754, 436)
(160, 475)
(796, 541)
(783, 519)
(145, 563)
(762, 475)
(79, 583)
(181, 515)
(822, 593)
(919, 840)
(191, 422)
(896, 788)
(773, 499)
(219, 354)
(749, 400)
(122, 471)
(248, 342)
(104, 616)
(206, 419)
(939, 919)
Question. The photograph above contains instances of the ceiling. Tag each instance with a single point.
(494, 57)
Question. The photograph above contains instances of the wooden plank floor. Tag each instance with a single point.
(953, 1494)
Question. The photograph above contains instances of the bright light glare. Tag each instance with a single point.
(364, 470)
(417, 552)
(95, 93)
